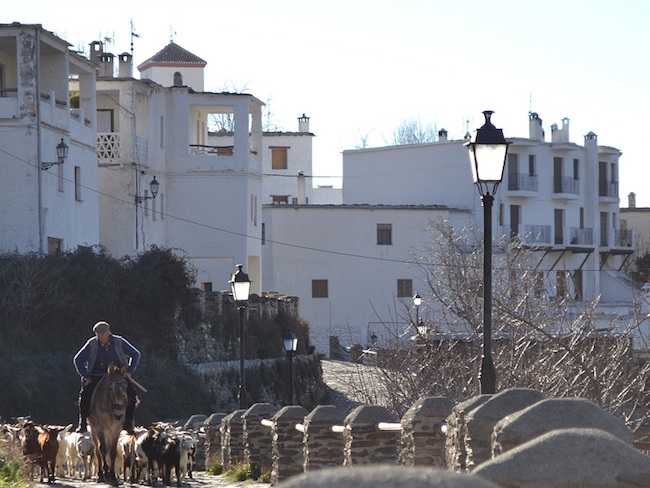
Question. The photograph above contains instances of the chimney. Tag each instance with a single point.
(126, 66)
(560, 135)
(535, 131)
(442, 135)
(303, 123)
(631, 200)
(302, 200)
(96, 51)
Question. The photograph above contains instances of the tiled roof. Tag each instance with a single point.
(173, 54)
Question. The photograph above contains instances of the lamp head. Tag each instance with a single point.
(240, 285)
(488, 149)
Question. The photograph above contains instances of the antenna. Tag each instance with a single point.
(530, 108)
(133, 35)
(171, 33)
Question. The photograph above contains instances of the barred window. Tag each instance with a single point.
(384, 234)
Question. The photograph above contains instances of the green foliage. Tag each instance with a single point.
(12, 471)
(50, 303)
(216, 469)
(242, 472)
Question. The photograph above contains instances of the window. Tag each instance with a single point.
(104, 120)
(404, 288)
(280, 199)
(531, 165)
(577, 284)
(263, 233)
(279, 157)
(319, 289)
(54, 246)
(207, 287)
(561, 284)
(559, 226)
(576, 169)
(77, 183)
(539, 284)
(384, 234)
(178, 79)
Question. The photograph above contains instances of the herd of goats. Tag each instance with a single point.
(151, 453)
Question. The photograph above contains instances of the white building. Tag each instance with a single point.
(45, 210)
(208, 204)
(347, 264)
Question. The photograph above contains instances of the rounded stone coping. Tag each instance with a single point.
(369, 415)
(234, 417)
(558, 413)
(290, 412)
(326, 413)
(385, 476)
(428, 407)
(214, 419)
(260, 410)
(568, 458)
(505, 403)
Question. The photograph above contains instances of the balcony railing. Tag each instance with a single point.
(522, 182)
(108, 145)
(607, 188)
(218, 150)
(537, 235)
(566, 184)
(581, 236)
(624, 238)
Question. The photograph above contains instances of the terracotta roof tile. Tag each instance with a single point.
(173, 54)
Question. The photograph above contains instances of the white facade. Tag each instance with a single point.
(557, 196)
(209, 204)
(45, 211)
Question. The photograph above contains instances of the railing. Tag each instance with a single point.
(565, 184)
(624, 238)
(522, 181)
(218, 150)
(108, 145)
(537, 234)
(607, 188)
(581, 236)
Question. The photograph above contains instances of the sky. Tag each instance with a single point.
(361, 68)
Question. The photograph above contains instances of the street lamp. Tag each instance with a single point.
(61, 155)
(290, 343)
(488, 150)
(154, 186)
(241, 287)
(417, 301)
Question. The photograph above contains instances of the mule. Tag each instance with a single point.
(106, 419)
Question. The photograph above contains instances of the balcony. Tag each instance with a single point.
(522, 184)
(565, 188)
(624, 239)
(581, 239)
(608, 190)
(217, 150)
(533, 235)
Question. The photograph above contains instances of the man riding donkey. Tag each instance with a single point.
(92, 362)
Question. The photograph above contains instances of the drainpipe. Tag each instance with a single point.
(41, 210)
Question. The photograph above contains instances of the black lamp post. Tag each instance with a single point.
(241, 287)
(290, 343)
(488, 150)
(417, 301)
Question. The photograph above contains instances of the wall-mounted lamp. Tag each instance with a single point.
(154, 186)
(61, 154)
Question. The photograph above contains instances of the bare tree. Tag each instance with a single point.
(562, 347)
(411, 131)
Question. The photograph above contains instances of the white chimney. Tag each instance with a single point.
(442, 135)
(303, 123)
(535, 131)
(631, 200)
(126, 66)
(302, 199)
(560, 135)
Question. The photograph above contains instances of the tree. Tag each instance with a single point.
(562, 347)
(411, 131)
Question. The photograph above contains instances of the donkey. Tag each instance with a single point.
(106, 419)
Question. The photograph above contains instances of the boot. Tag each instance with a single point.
(129, 419)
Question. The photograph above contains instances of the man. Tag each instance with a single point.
(92, 361)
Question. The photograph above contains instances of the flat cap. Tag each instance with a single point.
(101, 327)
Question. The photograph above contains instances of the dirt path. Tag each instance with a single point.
(201, 480)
